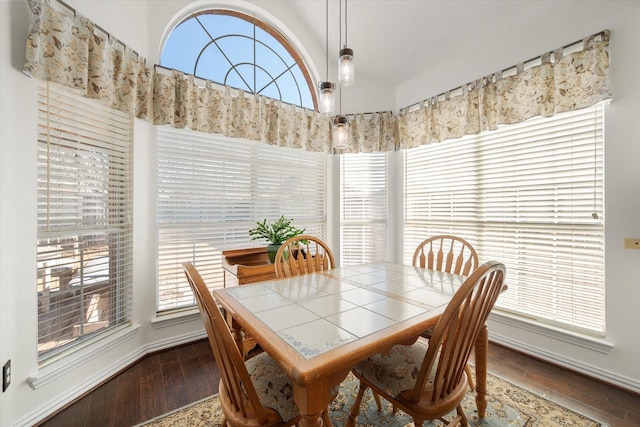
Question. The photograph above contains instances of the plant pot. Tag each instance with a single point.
(272, 250)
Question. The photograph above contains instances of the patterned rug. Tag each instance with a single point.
(508, 405)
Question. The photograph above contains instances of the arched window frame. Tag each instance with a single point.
(260, 19)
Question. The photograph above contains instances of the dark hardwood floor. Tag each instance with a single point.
(173, 378)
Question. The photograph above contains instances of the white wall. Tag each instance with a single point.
(142, 27)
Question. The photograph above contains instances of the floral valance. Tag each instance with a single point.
(73, 52)
(569, 82)
(182, 102)
(66, 48)
(70, 50)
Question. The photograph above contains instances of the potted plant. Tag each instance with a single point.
(276, 233)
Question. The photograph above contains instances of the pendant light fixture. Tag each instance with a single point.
(326, 88)
(340, 132)
(345, 76)
(340, 129)
(345, 58)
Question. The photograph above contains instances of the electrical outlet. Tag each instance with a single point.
(631, 243)
(6, 375)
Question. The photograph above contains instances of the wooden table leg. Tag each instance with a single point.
(311, 420)
(313, 399)
(311, 402)
(238, 335)
(481, 348)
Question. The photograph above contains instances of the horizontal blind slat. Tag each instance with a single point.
(212, 189)
(85, 244)
(524, 194)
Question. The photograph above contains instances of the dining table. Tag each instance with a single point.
(318, 326)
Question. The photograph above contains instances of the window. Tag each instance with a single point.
(530, 195)
(84, 219)
(363, 198)
(239, 51)
(213, 189)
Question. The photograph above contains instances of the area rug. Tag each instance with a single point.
(508, 405)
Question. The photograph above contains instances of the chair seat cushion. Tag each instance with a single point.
(395, 371)
(273, 385)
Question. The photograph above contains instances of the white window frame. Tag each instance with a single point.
(548, 232)
(238, 50)
(84, 230)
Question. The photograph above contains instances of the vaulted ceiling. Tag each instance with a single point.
(395, 40)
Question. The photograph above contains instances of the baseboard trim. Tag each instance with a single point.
(69, 396)
(601, 345)
(581, 368)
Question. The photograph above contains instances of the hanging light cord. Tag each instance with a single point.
(339, 45)
(346, 22)
(340, 112)
(340, 24)
(327, 39)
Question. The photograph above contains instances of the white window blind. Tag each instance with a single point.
(363, 225)
(529, 195)
(213, 189)
(84, 218)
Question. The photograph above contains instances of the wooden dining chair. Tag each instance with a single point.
(427, 381)
(303, 254)
(255, 393)
(446, 253)
(450, 254)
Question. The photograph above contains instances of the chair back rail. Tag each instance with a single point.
(446, 253)
(303, 254)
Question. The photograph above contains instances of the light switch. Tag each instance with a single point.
(631, 243)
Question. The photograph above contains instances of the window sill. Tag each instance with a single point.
(175, 317)
(67, 361)
(599, 345)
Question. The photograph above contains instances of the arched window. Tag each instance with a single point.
(238, 50)
(211, 189)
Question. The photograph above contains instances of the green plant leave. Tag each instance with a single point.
(276, 232)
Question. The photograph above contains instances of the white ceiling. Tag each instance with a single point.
(396, 40)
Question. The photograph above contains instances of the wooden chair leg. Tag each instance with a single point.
(467, 370)
(355, 409)
(376, 397)
(464, 422)
(325, 419)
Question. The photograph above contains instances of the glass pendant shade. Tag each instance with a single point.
(345, 67)
(327, 100)
(340, 132)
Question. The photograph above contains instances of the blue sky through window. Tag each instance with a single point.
(232, 51)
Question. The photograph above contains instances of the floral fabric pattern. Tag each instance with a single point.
(568, 83)
(57, 46)
(72, 51)
(179, 101)
(273, 386)
(395, 371)
(371, 133)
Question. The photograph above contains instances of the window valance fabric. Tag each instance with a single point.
(75, 53)
(69, 49)
(570, 82)
(179, 101)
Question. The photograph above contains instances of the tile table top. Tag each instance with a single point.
(319, 312)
